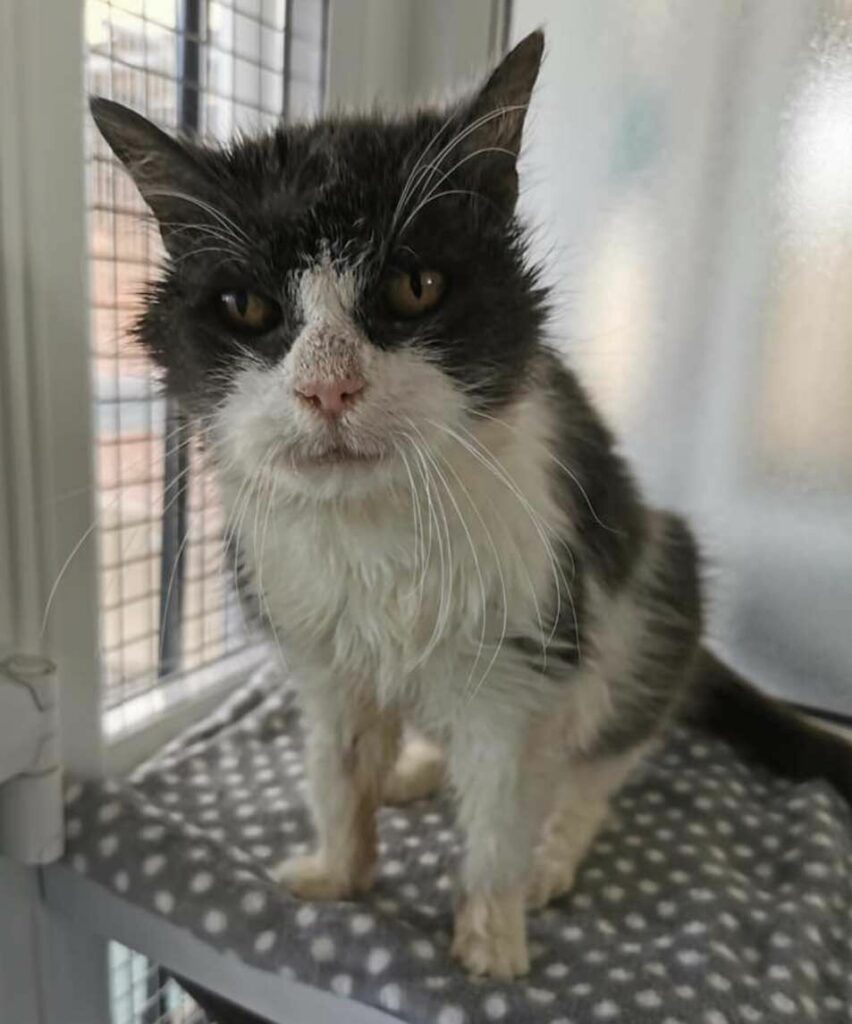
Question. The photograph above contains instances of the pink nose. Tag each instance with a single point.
(331, 398)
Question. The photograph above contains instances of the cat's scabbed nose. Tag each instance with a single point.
(331, 398)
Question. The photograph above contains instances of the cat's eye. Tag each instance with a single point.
(248, 312)
(414, 292)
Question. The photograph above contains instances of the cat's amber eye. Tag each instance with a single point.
(414, 292)
(248, 312)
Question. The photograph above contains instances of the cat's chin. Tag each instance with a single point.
(334, 458)
(337, 473)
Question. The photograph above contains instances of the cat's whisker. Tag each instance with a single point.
(490, 461)
(208, 230)
(460, 137)
(230, 530)
(267, 459)
(210, 245)
(433, 527)
(264, 602)
(558, 462)
(231, 546)
(227, 254)
(87, 533)
(96, 486)
(533, 517)
(231, 227)
(477, 567)
(409, 182)
(442, 534)
(432, 199)
(182, 484)
(61, 574)
(498, 565)
(460, 163)
(425, 173)
(127, 552)
(543, 531)
(418, 565)
(420, 539)
(432, 497)
(169, 589)
(420, 177)
(253, 482)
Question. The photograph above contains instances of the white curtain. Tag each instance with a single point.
(690, 174)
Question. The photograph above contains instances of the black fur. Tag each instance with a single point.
(765, 730)
(662, 667)
(594, 482)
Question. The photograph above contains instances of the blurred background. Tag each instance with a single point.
(688, 182)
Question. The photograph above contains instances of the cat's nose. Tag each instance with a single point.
(331, 398)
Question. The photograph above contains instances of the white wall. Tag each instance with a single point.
(397, 52)
(619, 147)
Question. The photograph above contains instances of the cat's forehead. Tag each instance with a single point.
(336, 166)
(352, 144)
(329, 189)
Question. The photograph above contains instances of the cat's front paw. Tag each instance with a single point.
(491, 936)
(311, 878)
(551, 878)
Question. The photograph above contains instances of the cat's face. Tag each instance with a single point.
(340, 294)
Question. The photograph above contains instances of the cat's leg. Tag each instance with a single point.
(350, 748)
(418, 772)
(503, 779)
(581, 807)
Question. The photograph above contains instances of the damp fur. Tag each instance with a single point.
(463, 551)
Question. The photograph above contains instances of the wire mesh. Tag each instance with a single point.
(141, 994)
(238, 65)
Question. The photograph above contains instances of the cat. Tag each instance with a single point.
(435, 522)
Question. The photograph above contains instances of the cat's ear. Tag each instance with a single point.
(496, 120)
(167, 174)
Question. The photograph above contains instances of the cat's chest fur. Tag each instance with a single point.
(420, 579)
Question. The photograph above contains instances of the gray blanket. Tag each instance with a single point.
(715, 895)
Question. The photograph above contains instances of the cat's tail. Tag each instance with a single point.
(766, 730)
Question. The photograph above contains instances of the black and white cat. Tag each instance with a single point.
(433, 517)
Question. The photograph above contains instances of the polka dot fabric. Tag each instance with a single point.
(716, 895)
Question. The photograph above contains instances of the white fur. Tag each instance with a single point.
(334, 547)
(370, 625)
